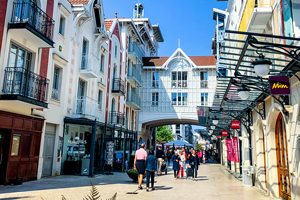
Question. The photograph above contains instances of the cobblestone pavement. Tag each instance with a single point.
(213, 183)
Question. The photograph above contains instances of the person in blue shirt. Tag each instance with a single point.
(151, 166)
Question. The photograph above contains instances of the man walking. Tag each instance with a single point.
(160, 155)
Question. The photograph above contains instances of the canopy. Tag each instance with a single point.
(180, 143)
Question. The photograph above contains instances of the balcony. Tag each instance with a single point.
(32, 23)
(87, 70)
(25, 86)
(134, 75)
(135, 52)
(88, 108)
(117, 118)
(259, 19)
(134, 101)
(118, 86)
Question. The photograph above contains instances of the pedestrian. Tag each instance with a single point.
(151, 166)
(160, 155)
(193, 161)
(176, 166)
(182, 164)
(140, 163)
(169, 156)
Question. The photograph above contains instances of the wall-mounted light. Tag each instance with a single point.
(262, 66)
(215, 121)
(243, 92)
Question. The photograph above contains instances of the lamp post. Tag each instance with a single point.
(243, 92)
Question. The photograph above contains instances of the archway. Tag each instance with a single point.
(282, 158)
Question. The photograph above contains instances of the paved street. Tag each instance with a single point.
(214, 182)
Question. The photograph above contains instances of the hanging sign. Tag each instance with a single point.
(224, 133)
(235, 124)
(229, 149)
(235, 149)
(279, 85)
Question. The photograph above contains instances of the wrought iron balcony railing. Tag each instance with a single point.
(134, 72)
(117, 118)
(26, 14)
(134, 100)
(87, 106)
(22, 82)
(118, 86)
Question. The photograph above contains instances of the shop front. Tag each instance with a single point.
(89, 143)
(20, 138)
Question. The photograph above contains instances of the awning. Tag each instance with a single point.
(236, 53)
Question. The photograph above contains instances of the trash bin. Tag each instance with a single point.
(247, 176)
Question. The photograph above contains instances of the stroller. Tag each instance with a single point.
(164, 167)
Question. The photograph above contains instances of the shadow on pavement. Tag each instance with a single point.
(163, 188)
(14, 198)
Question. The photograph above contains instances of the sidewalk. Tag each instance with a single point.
(213, 183)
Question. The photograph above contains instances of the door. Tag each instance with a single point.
(282, 159)
(48, 154)
(4, 148)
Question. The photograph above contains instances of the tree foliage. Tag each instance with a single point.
(164, 134)
(199, 147)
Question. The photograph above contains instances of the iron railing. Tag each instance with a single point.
(87, 106)
(134, 72)
(133, 98)
(20, 81)
(117, 118)
(135, 49)
(27, 12)
(118, 85)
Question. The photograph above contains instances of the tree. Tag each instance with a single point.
(164, 134)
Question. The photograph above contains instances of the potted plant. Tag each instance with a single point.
(133, 174)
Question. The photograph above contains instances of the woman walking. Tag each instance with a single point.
(176, 166)
(151, 164)
(140, 163)
(193, 161)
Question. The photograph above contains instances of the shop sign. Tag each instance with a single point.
(229, 149)
(235, 149)
(109, 153)
(224, 133)
(279, 85)
(235, 124)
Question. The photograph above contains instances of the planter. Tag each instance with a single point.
(133, 174)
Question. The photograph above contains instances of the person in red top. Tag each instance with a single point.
(140, 163)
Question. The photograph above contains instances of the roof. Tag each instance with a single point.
(79, 1)
(108, 24)
(198, 60)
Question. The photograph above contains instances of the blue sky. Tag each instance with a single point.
(190, 22)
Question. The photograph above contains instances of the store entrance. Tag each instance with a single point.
(4, 149)
(282, 159)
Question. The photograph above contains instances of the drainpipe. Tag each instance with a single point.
(92, 150)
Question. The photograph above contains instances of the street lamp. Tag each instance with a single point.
(262, 66)
(243, 92)
(210, 132)
(215, 121)
(212, 127)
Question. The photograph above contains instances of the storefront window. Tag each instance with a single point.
(15, 145)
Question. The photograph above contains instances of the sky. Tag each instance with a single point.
(191, 22)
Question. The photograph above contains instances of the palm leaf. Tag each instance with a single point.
(113, 197)
(94, 194)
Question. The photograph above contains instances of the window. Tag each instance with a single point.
(179, 99)
(155, 99)
(62, 22)
(179, 79)
(100, 96)
(204, 99)
(56, 84)
(203, 79)
(19, 57)
(84, 58)
(102, 62)
(116, 51)
(155, 79)
(15, 145)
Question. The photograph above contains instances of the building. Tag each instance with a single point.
(172, 89)
(268, 138)
(26, 36)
